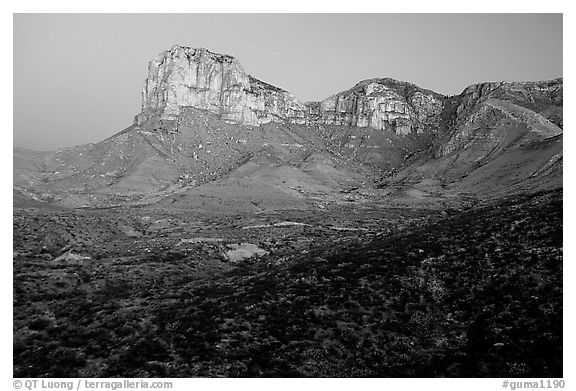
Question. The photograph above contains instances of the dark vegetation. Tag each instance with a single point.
(462, 293)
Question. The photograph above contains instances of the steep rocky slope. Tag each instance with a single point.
(204, 119)
(536, 106)
(501, 136)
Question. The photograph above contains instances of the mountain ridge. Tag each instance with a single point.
(203, 119)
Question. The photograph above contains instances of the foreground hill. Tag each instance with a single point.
(386, 291)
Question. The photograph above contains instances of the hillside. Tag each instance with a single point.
(366, 292)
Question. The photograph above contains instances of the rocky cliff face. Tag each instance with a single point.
(383, 104)
(187, 77)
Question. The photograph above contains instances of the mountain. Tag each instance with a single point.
(206, 125)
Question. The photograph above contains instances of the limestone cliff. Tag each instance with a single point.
(383, 104)
(187, 77)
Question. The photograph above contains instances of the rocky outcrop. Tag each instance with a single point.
(187, 77)
(383, 104)
(543, 97)
(488, 113)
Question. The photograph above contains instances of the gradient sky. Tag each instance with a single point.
(78, 78)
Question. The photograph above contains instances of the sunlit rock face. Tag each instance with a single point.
(188, 77)
(383, 104)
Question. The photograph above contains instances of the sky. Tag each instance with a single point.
(78, 77)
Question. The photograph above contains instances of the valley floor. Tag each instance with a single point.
(355, 291)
